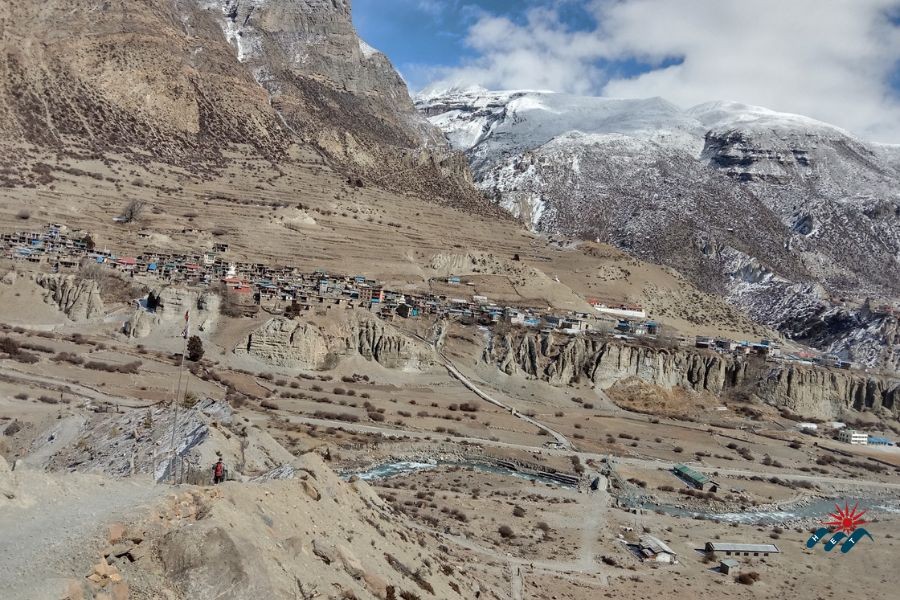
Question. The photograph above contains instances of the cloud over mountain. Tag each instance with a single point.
(835, 61)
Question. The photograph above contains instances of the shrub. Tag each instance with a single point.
(518, 511)
(21, 396)
(506, 532)
(23, 215)
(195, 348)
(68, 357)
(9, 346)
(12, 429)
(49, 400)
(747, 578)
(339, 391)
(321, 414)
(27, 357)
(677, 449)
(128, 368)
(269, 405)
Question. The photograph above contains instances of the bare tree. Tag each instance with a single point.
(133, 211)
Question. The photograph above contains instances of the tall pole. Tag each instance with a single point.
(187, 324)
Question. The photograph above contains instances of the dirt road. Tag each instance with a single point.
(49, 533)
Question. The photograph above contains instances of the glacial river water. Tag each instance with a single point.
(815, 509)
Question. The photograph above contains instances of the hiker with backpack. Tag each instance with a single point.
(218, 472)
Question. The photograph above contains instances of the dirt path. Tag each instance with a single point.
(49, 534)
(456, 374)
(585, 571)
(515, 577)
(471, 386)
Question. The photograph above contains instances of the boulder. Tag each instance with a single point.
(324, 550)
(351, 564)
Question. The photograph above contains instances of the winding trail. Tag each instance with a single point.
(456, 374)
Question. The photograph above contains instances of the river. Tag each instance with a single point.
(816, 509)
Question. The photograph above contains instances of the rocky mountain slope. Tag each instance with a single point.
(184, 81)
(779, 213)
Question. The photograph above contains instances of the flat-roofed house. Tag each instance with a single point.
(738, 549)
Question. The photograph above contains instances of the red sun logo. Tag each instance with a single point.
(846, 519)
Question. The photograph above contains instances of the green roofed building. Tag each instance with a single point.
(693, 477)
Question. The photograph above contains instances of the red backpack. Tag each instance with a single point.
(219, 469)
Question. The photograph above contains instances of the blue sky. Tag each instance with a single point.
(419, 35)
(834, 60)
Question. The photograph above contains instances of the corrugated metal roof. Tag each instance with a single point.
(655, 545)
(732, 547)
(691, 473)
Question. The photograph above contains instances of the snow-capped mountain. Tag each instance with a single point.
(780, 213)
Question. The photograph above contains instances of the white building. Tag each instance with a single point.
(653, 548)
(852, 436)
(625, 312)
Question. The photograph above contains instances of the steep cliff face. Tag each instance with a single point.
(321, 344)
(78, 298)
(165, 307)
(183, 81)
(824, 393)
(811, 391)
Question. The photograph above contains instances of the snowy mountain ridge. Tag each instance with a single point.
(720, 191)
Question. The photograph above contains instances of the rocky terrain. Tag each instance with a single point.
(418, 458)
(805, 390)
(79, 299)
(182, 82)
(321, 343)
(781, 214)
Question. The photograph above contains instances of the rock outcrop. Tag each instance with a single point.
(165, 307)
(321, 344)
(78, 298)
(806, 390)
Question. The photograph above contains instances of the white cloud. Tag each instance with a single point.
(540, 54)
(830, 60)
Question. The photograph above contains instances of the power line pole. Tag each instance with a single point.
(185, 333)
